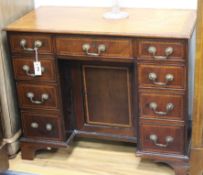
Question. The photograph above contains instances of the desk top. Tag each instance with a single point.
(140, 23)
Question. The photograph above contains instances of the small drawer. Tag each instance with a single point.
(161, 105)
(161, 50)
(162, 138)
(94, 47)
(38, 96)
(25, 43)
(24, 69)
(44, 126)
(161, 76)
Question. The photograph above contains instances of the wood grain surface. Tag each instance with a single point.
(198, 98)
(197, 136)
(90, 157)
(141, 22)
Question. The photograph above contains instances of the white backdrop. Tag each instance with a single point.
(178, 4)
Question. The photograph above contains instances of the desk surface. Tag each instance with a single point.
(141, 22)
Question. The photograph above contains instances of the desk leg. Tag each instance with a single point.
(28, 151)
(180, 167)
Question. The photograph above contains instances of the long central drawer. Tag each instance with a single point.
(94, 47)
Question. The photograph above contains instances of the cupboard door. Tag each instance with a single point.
(99, 100)
(107, 96)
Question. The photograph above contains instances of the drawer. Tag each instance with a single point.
(24, 69)
(44, 126)
(161, 105)
(162, 138)
(94, 47)
(21, 42)
(38, 96)
(161, 76)
(166, 50)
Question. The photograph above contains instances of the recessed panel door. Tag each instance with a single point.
(108, 99)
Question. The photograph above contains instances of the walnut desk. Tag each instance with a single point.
(124, 80)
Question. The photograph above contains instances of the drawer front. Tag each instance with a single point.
(149, 49)
(38, 96)
(162, 138)
(24, 69)
(43, 126)
(161, 105)
(30, 40)
(162, 76)
(112, 48)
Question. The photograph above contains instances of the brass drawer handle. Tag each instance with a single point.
(37, 44)
(26, 69)
(153, 77)
(169, 107)
(168, 51)
(49, 127)
(154, 139)
(31, 96)
(34, 125)
(101, 48)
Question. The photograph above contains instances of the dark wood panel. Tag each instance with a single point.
(108, 98)
(164, 76)
(4, 164)
(109, 87)
(115, 47)
(3, 152)
(24, 69)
